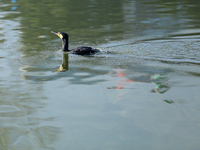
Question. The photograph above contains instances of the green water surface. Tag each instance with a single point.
(140, 93)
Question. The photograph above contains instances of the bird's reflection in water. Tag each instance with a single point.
(64, 66)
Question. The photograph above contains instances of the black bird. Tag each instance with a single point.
(83, 50)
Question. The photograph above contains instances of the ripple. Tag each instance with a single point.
(11, 111)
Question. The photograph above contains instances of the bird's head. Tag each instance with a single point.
(62, 35)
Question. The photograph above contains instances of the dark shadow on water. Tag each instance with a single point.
(65, 63)
(75, 75)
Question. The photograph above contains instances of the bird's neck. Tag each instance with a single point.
(65, 45)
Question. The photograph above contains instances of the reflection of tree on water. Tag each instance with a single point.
(125, 82)
(157, 79)
(121, 83)
(161, 87)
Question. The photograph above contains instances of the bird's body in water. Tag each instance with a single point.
(83, 50)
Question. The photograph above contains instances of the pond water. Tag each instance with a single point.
(141, 92)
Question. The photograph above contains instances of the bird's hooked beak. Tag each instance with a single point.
(57, 33)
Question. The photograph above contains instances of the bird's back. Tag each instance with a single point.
(84, 50)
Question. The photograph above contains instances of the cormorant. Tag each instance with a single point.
(83, 50)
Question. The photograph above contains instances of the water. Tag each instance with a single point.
(141, 92)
